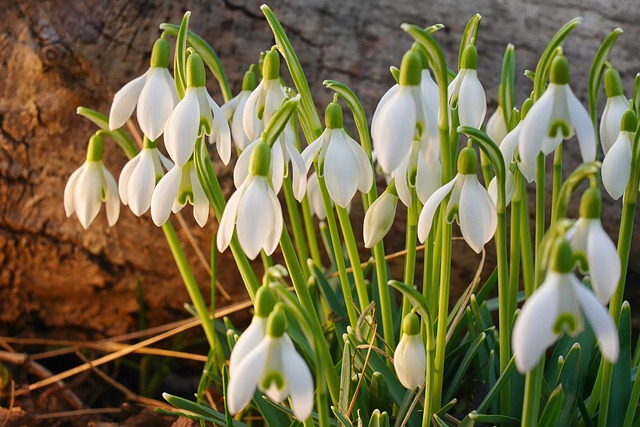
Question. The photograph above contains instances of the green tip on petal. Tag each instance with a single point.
(591, 204)
(95, 149)
(629, 121)
(264, 302)
(273, 378)
(260, 159)
(467, 161)
(411, 324)
(562, 257)
(379, 419)
(196, 76)
(160, 54)
(566, 321)
(470, 58)
(526, 106)
(276, 323)
(333, 116)
(560, 70)
(249, 80)
(410, 69)
(612, 82)
(271, 65)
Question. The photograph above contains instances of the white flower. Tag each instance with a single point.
(253, 210)
(314, 196)
(341, 161)
(469, 203)
(614, 109)
(466, 92)
(192, 118)
(234, 110)
(496, 126)
(410, 358)
(153, 92)
(414, 170)
(594, 248)
(139, 176)
(616, 166)
(273, 366)
(400, 116)
(558, 305)
(89, 186)
(555, 116)
(379, 217)
(179, 186)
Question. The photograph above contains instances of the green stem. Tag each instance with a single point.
(354, 257)
(486, 169)
(540, 202)
(525, 240)
(557, 181)
(410, 242)
(310, 232)
(385, 296)
(296, 226)
(505, 314)
(190, 282)
(532, 387)
(515, 244)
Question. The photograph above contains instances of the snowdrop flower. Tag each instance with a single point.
(253, 210)
(615, 107)
(139, 176)
(558, 305)
(192, 118)
(593, 247)
(379, 217)
(89, 186)
(153, 92)
(273, 366)
(415, 171)
(314, 196)
(555, 116)
(616, 166)
(400, 116)
(410, 359)
(234, 110)
(496, 126)
(341, 161)
(256, 330)
(179, 186)
(470, 204)
(466, 91)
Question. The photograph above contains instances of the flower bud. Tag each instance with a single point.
(560, 70)
(196, 76)
(410, 69)
(379, 218)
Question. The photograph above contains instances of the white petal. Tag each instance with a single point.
(141, 184)
(311, 152)
(125, 177)
(610, 122)
(478, 218)
(410, 361)
(493, 189)
(247, 341)
(278, 165)
(379, 219)
(299, 171)
(156, 102)
(241, 170)
(402, 181)
(340, 170)
(430, 207)
(428, 180)
(253, 126)
(276, 229)
(365, 170)
(112, 200)
(472, 103)
(255, 220)
(535, 127)
(533, 331)
(200, 201)
(221, 132)
(273, 99)
(243, 385)
(385, 98)
(88, 193)
(315, 197)
(616, 166)
(166, 162)
(229, 108)
(164, 195)
(228, 220)
(600, 321)
(509, 144)
(299, 382)
(124, 102)
(604, 262)
(181, 130)
(583, 127)
(394, 128)
(237, 129)
(69, 192)
(496, 127)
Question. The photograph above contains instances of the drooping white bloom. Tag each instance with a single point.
(253, 210)
(341, 161)
(273, 366)
(234, 110)
(314, 196)
(496, 126)
(558, 305)
(616, 166)
(410, 359)
(614, 109)
(179, 186)
(466, 92)
(469, 204)
(197, 114)
(153, 92)
(415, 170)
(379, 217)
(89, 186)
(593, 247)
(139, 176)
(556, 115)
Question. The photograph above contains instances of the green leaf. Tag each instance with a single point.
(180, 57)
(621, 381)
(596, 72)
(119, 136)
(469, 35)
(198, 409)
(464, 365)
(416, 298)
(552, 409)
(341, 417)
(345, 376)
(570, 378)
(280, 119)
(494, 419)
(494, 392)
(508, 83)
(584, 171)
(439, 421)
(208, 54)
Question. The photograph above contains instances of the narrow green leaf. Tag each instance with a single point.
(180, 57)
(494, 419)
(280, 119)
(345, 376)
(202, 410)
(439, 421)
(621, 382)
(494, 392)
(119, 136)
(341, 417)
(596, 72)
(570, 378)
(552, 409)
(584, 171)
(416, 298)
(469, 35)
(508, 83)
(464, 365)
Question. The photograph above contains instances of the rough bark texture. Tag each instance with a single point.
(57, 55)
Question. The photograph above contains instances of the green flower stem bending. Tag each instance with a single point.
(296, 226)
(354, 257)
(119, 136)
(190, 282)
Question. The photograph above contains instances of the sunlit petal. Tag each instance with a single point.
(535, 127)
(181, 130)
(430, 207)
(254, 218)
(472, 103)
(156, 102)
(478, 218)
(70, 190)
(299, 382)
(583, 127)
(88, 193)
(124, 102)
(604, 262)
(164, 195)
(243, 385)
(112, 201)
(247, 341)
(616, 166)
